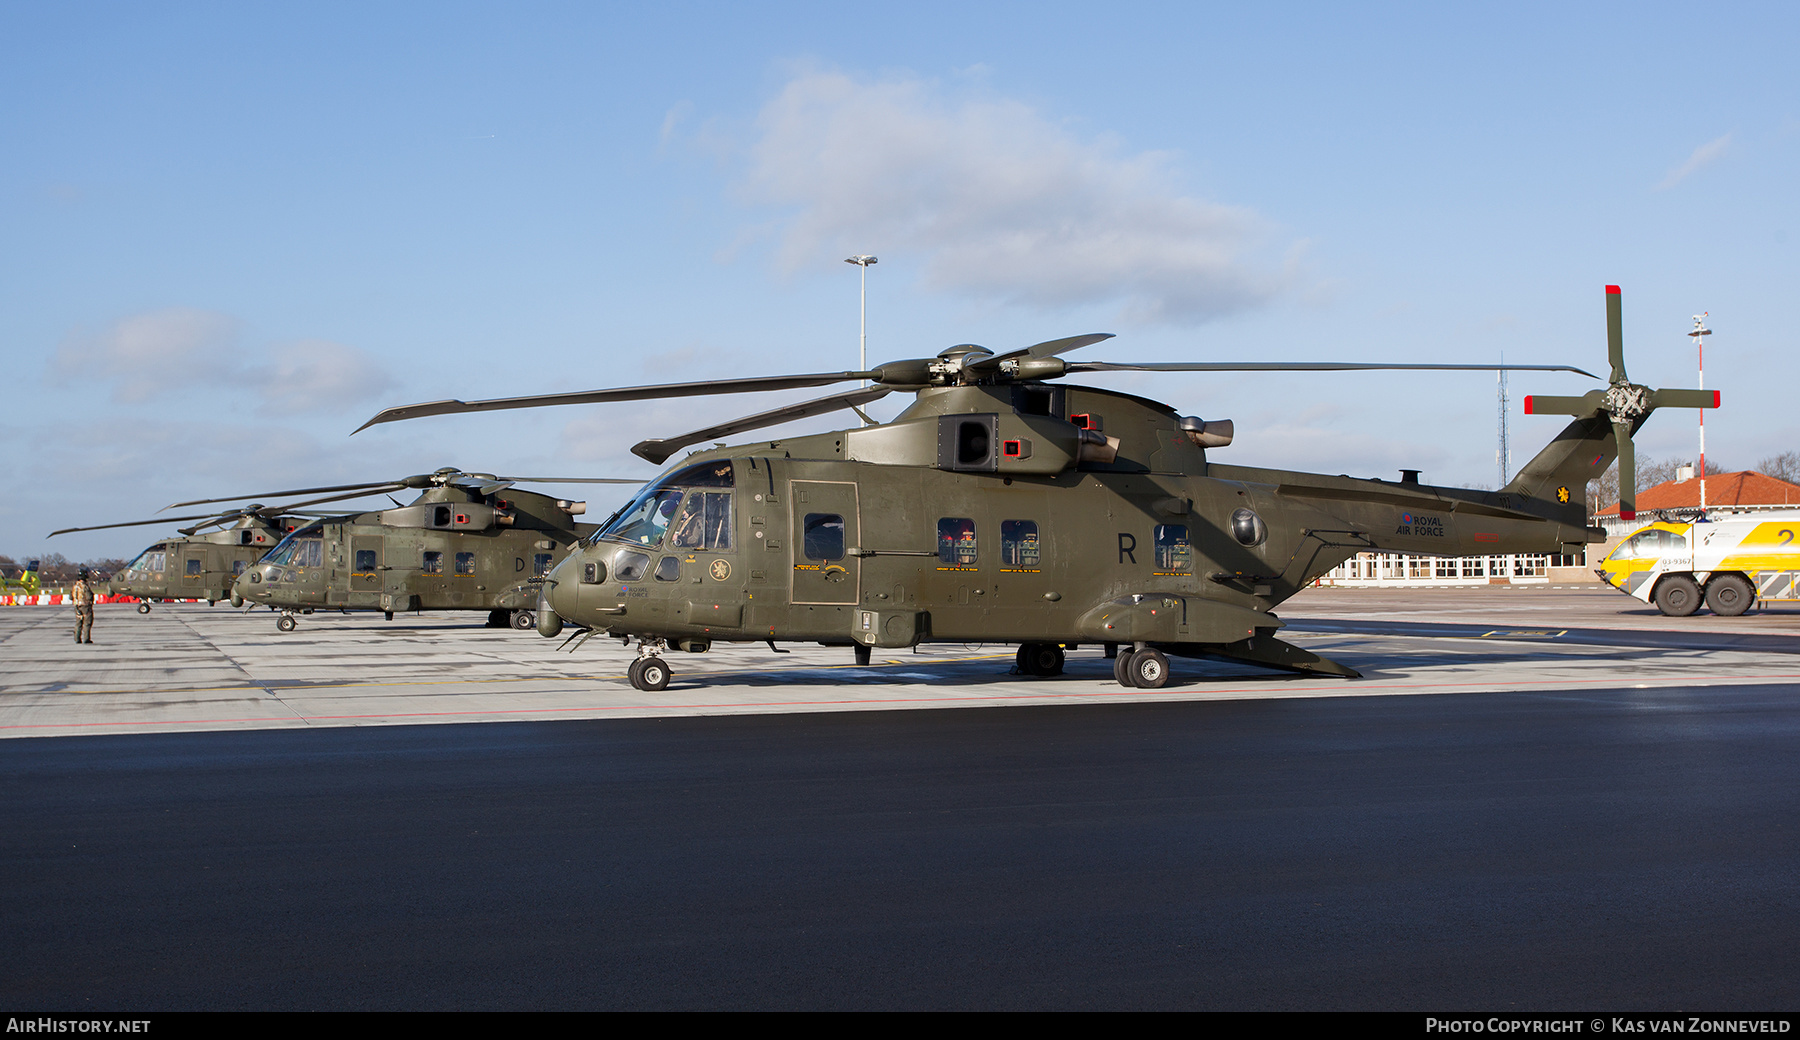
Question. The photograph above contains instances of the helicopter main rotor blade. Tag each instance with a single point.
(221, 517)
(332, 498)
(754, 384)
(373, 487)
(634, 481)
(1309, 366)
(659, 450)
(1048, 348)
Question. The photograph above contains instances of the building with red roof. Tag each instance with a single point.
(1745, 492)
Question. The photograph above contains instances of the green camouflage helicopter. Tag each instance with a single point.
(1004, 507)
(199, 566)
(470, 541)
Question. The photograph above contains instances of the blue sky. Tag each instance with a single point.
(229, 232)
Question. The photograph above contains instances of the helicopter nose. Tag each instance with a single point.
(559, 592)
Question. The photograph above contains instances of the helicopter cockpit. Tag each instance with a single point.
(303, 548)
(704, 522)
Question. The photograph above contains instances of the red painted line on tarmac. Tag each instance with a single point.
(1319, 691)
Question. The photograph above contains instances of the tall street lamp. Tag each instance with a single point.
(864, 262)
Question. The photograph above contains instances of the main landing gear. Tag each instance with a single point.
(1141, 667)
(1040, 659)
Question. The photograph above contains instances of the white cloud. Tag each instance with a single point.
(148, 355)
(320, 376)
(1703, 156)
(186, 354)
(1002, 203)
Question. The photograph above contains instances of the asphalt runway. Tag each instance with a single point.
(1537, 799)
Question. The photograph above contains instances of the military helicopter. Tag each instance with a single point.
(470, 541)
(200, 566)
(1004, 507)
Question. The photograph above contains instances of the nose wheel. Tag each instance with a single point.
(286, 623)
(650, 674)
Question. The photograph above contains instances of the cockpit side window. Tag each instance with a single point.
(1650, 544)
(705, 522)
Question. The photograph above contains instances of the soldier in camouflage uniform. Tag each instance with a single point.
(83, 596)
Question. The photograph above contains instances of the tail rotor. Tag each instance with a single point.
(1624, 403)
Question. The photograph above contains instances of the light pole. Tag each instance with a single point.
(864, 262)
(1701, 331)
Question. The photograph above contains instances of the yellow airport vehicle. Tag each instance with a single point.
(1728, 564)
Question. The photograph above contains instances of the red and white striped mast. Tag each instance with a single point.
(1699, 334)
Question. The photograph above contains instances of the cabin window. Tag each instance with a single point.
(434, 563)
(824, 536)
(1173, 553)
(465, 563)
(193, 565)
(630, 566)
(956, 541)
(1018, 544)
(365, 561)
(668, 569)
(238, 567)
(540, 564)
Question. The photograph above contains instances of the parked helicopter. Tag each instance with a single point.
(1003, 507)
(199, 566)
(470, 541)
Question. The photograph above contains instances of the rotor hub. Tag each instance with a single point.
(1627, 401)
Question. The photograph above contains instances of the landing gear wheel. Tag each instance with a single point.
(499, 618)
(1149, 669)
(1122, 668)
(863, 654)
(286, 623)
(523, 620)
(1040, 659)
(1729, 595)
(143, 608)
(1677, 596)
(650, 674)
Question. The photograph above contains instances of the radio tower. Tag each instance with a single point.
(1503, 456)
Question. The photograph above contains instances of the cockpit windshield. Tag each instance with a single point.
(303, 548)
(647, 519)
(151, 560)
